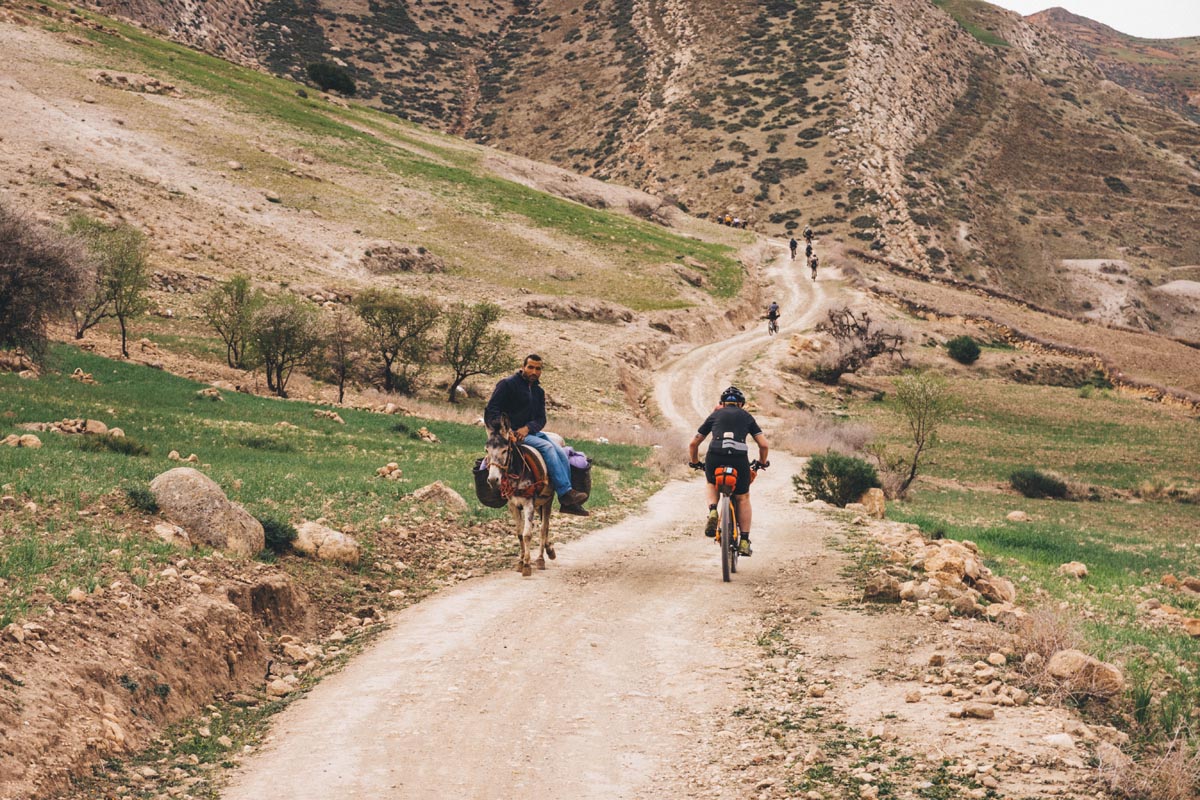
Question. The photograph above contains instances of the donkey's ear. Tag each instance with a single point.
(505, 426)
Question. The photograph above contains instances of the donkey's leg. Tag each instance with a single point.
(518, 516)
(547, 539)
(547, 547)
(526, 535)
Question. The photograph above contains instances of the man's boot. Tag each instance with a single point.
(572, 502)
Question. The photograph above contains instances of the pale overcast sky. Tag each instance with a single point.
(1150, 19)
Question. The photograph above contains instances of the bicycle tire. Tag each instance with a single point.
(725, 531)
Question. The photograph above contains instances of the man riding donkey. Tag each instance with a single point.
(520, 397)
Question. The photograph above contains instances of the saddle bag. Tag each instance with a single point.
(484, 491)
(581, 472)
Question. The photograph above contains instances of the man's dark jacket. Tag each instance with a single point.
(524, 402)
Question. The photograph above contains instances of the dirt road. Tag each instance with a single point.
(586, 680)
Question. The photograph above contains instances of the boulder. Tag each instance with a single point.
(874, 503)
(325, 544)
(1086, 675)
(198, 504)
(997, 589)
(1192, 626)
(30, 441)
(954, 559)
(979, 711)
(882, 588)
(1017, 516)
(441, 494)
(95, 427)
(1191, 584)
(1074, 569)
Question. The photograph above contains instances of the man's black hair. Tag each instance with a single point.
(531, 357)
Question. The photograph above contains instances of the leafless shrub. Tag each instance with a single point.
(40, 270)
(858, 340)
(1040, 635)
(1173, 774)
(653, 210)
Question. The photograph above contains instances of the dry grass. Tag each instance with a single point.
(1040, 635)
(812, 434)
(1173, 774)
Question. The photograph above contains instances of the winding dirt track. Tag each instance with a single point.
(588, 680)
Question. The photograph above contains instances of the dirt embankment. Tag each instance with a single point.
(103, 673)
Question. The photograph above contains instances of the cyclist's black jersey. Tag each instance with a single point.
(773, 312)
(729, 426)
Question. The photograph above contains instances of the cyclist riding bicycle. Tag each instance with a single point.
(729, 425)
(773, 316)
(808, 234)
(813, 263)
(793, 244)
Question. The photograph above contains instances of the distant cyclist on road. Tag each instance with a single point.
(773, 317)
(813, 263)
(808, 250)
(793, 244)
(729, 425)
(808, 234)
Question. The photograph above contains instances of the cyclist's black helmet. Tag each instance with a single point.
(733, 395)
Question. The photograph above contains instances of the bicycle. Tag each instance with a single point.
(772, 325)
(729, 535)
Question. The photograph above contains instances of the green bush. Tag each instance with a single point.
(1032, 483)
(142, 499)
(963, 349)
(125, 445)
(330, 76)
(836, 478)
(278, 534)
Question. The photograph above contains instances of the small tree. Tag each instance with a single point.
(286, 335)
(229, 310)
(471, 346)
(122, 277)
(858, 341)
(924, 401)
(836, 478)
(330, 76)
(399, 330)
(963, 349)
(344, 347)
(40, 272)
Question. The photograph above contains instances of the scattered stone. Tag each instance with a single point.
(937, 660)
(1086, 675)
(425, 435)
(439, 493)
(326, 544)
(236, 166)
(997, 659)
(1191, 584)
(174, 456)
(1017, 516)
(225, 742)
(210, 393)
(197, 503)
(322, 413)
(1192, 626)
(384, 257)
(874, 503)
(979, 710)
(30, 441)
(1169, 581)
(272, 197)
(1074, 569)
(912, 697)
(1063, 740)
(172, 534)
(817, 690)
(882, 587)
(83, 377)
(279, 688)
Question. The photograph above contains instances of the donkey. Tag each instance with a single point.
(521, 476)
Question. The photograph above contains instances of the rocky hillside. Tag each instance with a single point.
(1166, 71)
(952, 136)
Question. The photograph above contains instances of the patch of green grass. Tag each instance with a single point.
(319, 469)
(967, 14)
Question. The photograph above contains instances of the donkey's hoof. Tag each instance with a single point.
(550, 551)
(541, 563)
(526, 570)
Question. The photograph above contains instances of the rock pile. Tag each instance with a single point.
(93, 427)
(425, 435)
(83, 377)
(321, 413)
(132, 82)
(210, 393)
(390, 471)
(387, 257)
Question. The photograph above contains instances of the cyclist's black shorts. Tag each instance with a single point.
(740, 462)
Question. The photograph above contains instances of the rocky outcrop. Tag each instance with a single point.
(577, 309)
(199, 506)
(382, 258)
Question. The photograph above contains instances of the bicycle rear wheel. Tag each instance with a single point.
(725, 531)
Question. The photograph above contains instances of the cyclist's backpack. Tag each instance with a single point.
(726, 478)
(484, 491)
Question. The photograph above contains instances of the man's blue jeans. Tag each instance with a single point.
(556, 461)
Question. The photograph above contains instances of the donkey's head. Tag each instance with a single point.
(498, 449)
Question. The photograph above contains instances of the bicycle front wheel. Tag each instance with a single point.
(725, 531)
